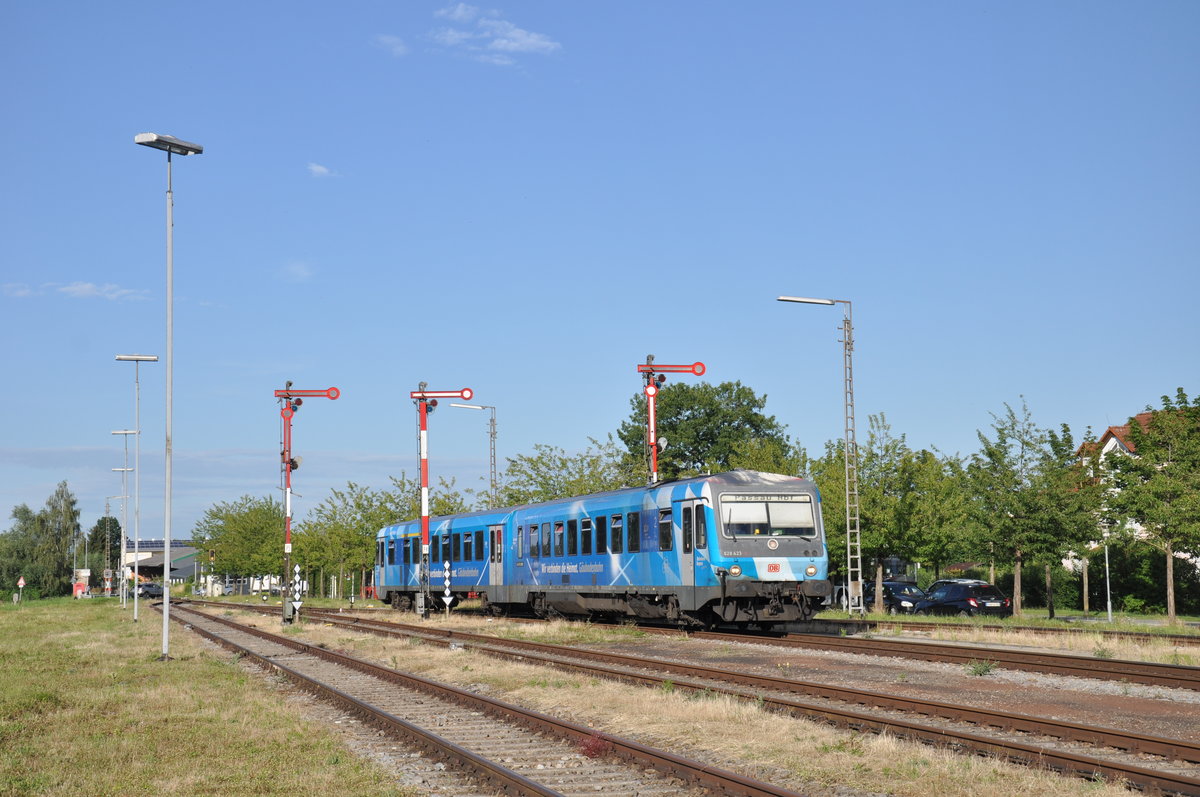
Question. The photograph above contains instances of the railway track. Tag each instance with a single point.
(498, 746)
(1153, 763)
(853, 626)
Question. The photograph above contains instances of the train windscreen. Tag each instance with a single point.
(768, 516)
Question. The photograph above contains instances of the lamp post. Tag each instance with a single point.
(124, 508)
(171, 146)
(854, 584)
(137, 360)
(492, 449)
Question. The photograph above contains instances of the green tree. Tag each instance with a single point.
(883, 492)
(937, 509)
(1003, 475)
(104, 543)
(56, 532)
(245, 536)
(1156, 489)
(550, 473)
(706, 427)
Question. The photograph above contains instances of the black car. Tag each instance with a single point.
(899, 597)
(965, 599)
(150, 590)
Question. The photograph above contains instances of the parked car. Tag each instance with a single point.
(150, 590)
(965, 598)
(899, 597)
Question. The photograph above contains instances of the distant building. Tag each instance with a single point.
(151, 559)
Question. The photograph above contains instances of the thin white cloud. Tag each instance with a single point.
(18, 290)
(508, 38)
(109, 291)
(297, 271)
(458, 13)
(393, 44)
(317, 170)
(487, 37)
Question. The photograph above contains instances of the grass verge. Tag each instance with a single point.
(87, 708)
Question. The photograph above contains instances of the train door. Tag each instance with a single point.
(496, 559)
(685, 516)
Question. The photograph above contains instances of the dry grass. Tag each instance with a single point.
(733, 734)
(86, 708)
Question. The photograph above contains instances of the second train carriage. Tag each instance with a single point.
(737, 547)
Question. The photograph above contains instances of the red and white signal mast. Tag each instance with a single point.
(291, 400)
(654, 376)
(426, 401)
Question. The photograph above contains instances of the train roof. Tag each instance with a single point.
(733, 478)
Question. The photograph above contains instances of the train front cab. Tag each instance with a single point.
(767, 562)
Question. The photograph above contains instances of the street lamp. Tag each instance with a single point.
(124, 509)
(853, 533)
(137, 360)
(172, 146)
(492, 437)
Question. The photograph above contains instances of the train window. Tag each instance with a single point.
(666, 540)
(686, 525)
(435, 547)
(535, 549)
(391, 552)
(770, 516)
(456, 550)
(615, 528)
(572, 538)
(546, 549)
(701, 529)
(585, 536)
(558, 538)
(467, 553)
(601, 534)
(446, 548)
(479, 545)
(633, 526)
(414, 552)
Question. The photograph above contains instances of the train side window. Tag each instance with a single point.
(572, 538)
(633, 525)
(535, 549)
(467, 553)
(391, 552)
(456, 549)
(585, 536)
(558, 538)
(615, 528)
(546, 549)
(701, 527)
(687, 529)
(446, 548)
(601, 534)
(666, 540)
(479, 545)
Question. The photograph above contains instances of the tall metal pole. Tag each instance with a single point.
(494, 480)
(653, 377)
(137, 481)
(854, 586)
(425, 401)
(853, 533)
(292, 400)
(169, 145)
(169, 450)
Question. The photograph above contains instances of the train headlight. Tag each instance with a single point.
(810, 571)
(735, 570)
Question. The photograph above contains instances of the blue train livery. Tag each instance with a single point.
(733, 548)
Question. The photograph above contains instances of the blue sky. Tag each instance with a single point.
(527, 199)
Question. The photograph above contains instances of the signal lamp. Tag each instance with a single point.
(294, 463)
(662, 444)
(662, 378)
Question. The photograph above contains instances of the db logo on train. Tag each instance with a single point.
(773, 568)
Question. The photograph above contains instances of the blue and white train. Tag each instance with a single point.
(740, 547)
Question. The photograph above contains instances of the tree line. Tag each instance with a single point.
(1011, 512)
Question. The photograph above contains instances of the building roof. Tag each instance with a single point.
(1121, 433)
